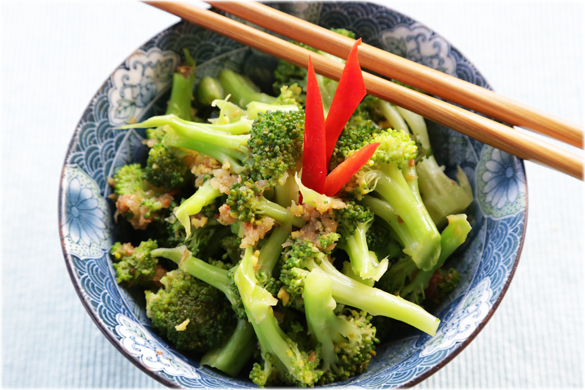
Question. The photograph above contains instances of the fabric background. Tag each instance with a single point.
(54, 57)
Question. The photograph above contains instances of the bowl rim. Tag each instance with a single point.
(156, 374)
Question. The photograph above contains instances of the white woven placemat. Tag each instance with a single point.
(54, 57)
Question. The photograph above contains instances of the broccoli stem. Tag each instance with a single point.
(274, 210)
(235, 352)
(392, 115)
(242, 89)
(205, 195)
(181, 95)
(222, 142)
(322, 321)
(411, 222)
(375, 301)
(208, 90)
(363, 261)
(258, 303)
(254, 108)
(441, 195)
(347, 270)
(270, 252)
(288, 192)
(452, 237)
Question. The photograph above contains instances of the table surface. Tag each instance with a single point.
(55, 55)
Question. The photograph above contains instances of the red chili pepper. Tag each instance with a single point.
(338, 177)
(350, 92)
(314, 157)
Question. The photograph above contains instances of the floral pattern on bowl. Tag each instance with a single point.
(139, 88)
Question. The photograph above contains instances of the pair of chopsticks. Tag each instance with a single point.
(434, 82)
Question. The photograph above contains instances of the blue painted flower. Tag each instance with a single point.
(83, 217)
(502, 180)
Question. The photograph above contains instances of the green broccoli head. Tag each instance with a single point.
(166, 168)
(295, 262)
(276, 144)
(137, 200)
(136, 266)
(349, 217)
(352, 139)
(191, 314)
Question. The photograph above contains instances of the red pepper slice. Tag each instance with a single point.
(350, 92)
(338, 177)
(314, 157)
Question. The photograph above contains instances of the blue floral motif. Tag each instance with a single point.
(83, 217)
(504, 182)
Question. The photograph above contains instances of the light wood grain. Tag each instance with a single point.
(411, 73)
(485, 130)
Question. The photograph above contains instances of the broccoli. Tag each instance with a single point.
(402, 206)
(347, 339)
(204, 196)
(191, 314)
(136, 266)
(276, 145)
(452, 237)
(210, 274)
(303, 257)
(234, 353)
(249, 205)
(208, 90)
(380, 241)
(242, 89)
(166, 167)
(441, 195)
(231, 245)
(283, 360)
(353, 223)
(136, 199)
(225, 143)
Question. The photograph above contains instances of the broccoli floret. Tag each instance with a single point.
(167, 168)
(249, 205)
(401, 206)
(283, 360)
(217, 277)
(303, 257)
(192, 315)
(136, 266)
(354, 222)
(231, 244)
(242, 89)
(276, 145)
(136, 199)
(347, 339)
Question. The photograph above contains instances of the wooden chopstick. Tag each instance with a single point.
(485, 130)
(411, 73)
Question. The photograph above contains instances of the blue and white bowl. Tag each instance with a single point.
(139, 88)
